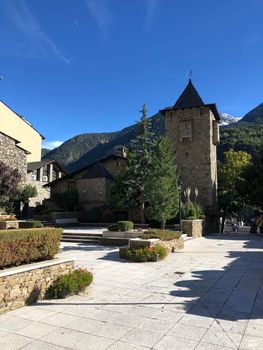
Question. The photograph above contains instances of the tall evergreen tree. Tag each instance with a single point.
(162, 186)
(139, 161)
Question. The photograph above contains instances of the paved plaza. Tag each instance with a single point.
(208, 296)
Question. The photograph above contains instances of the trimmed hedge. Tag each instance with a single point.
(70, 283)
(30, 224)
(163, 235)
(144, 254)
(24, 246)
(121, 226)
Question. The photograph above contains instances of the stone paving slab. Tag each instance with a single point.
(208, 296)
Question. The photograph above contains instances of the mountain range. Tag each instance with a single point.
(238, 133)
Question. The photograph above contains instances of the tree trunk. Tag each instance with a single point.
(163, 225)
(129, 213)
(142, 212)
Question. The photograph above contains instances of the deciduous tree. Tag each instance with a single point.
(231, 177)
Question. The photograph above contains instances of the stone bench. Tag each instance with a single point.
(9, 224)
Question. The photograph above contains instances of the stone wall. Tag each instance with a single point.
(42, 192)
(26, 284)
(193, 133)
(174, 244)
(92, 191)
(114, 166)
(12, 155)
(193, 228)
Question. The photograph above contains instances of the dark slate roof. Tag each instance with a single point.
(92, 171)
(37, 165)
(95, 171)
(189, 98)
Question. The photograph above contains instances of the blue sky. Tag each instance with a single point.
(78, 66)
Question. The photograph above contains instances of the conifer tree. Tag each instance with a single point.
(139, 161)
(162, 186)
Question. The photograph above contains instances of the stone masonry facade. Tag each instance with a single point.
(194, 136)
(42, 192)
(12, 155)
(29, 284)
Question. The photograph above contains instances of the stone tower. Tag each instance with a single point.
(193, 129)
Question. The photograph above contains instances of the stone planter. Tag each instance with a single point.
(193, 228)
(138, 243)
(6, 225)
(122, 234)
(173, 244)
(26, 284)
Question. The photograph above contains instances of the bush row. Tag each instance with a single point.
(28, 245)
(121, 226)
(163, 235)
(144, 254)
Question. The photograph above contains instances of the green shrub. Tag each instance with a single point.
(71, 283)
(144, 254)
(30, 224)
(21, 246)
(125, 225)
(163, 235)
(192, 211)
(113, 227)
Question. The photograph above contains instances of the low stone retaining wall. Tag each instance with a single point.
(122, 234)
(193, 228)
(137, 243)
(114, 241)
(9, 224)
(64, 218)
(26, 284)
(174, 244)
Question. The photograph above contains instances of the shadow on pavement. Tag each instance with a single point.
(233, 293)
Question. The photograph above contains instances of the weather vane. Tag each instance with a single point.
(190, 74)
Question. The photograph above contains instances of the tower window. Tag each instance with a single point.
(186, 155)
(186, 139)
(185, 130)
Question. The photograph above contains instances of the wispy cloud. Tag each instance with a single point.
(36, 42)
(101, 14)
(252, 40)
(151, 13)
(51, 144)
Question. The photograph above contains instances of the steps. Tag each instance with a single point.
(77, 237)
